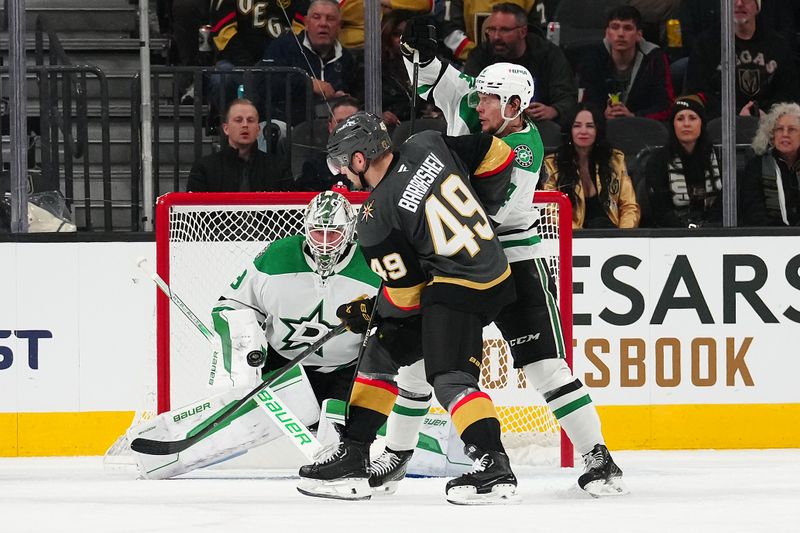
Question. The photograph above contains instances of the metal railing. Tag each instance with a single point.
(63, 126)
(259, 84)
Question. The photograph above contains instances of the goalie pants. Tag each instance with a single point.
(532, 323)
(335, 384)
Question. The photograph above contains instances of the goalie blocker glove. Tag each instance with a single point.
(355, 315)
(420, 36)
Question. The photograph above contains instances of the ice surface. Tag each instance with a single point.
(675, 491)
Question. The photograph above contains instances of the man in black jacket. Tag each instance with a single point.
(240, 166)
(624, 74)
(508, 40)
(766, 73)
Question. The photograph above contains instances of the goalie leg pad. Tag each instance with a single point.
(251, 427)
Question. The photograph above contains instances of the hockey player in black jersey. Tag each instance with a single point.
(504, 90)
(423, 230)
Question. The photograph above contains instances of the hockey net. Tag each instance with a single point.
(205, 239)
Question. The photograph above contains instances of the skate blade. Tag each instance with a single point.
(504, 494)
(603, 488)
(387, 489)
(340, 489)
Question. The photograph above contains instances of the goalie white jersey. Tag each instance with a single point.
(293, 303)
(454, 93)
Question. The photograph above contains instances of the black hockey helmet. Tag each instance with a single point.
(361, 132)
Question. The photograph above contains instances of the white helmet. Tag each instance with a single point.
(329, 226)
(506, 80)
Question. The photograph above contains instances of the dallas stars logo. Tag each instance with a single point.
(306, 330)
(523, 155)
(368, 210)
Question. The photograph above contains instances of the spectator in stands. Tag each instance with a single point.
(624, 74)
(592, 175)
(683, 178)
(462, 22)
(240, 166)
(655, 14)
(508, 40)
(318, 52)
(765, 66)
(317, 174)
(240, 32)
(187, 17)
(699, 16)
(352, 33)
(770, 189)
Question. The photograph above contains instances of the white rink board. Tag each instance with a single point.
(641, 269)
(99, 309)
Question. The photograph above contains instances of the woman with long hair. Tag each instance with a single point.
(770, 191)
(683, 178)
(592, 174)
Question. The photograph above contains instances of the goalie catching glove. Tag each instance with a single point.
(420, 36)
(355, 315)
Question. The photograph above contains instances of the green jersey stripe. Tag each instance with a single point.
(572, 406)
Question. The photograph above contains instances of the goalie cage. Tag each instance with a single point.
(203, 240)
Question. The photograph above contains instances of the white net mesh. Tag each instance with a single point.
(211, 241)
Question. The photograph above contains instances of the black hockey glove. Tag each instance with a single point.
(419, 35)
(355, 315)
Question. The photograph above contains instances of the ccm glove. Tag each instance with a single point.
(419, 35)
(355, 315)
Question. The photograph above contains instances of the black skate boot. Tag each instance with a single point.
(341, 472)
(387, 470)
(492, 482)
(601, 475)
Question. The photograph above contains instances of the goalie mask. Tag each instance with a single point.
(506, 80)
(329, 225)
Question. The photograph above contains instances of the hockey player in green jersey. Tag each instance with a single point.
(424, 231)
(494, 103)
(286, 298)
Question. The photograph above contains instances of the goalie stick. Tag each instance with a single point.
(164, 447)
(196, 322)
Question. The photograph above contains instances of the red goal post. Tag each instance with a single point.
(203, 240)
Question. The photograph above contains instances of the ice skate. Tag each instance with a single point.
(491, 483)
(601, 475)
(387, 470)
(341, 472)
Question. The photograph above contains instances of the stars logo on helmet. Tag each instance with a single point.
(368, 210)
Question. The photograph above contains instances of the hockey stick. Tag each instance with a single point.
(161, 447)
(196, 322)
(174, 298)
(361, 348)
(415, 81)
